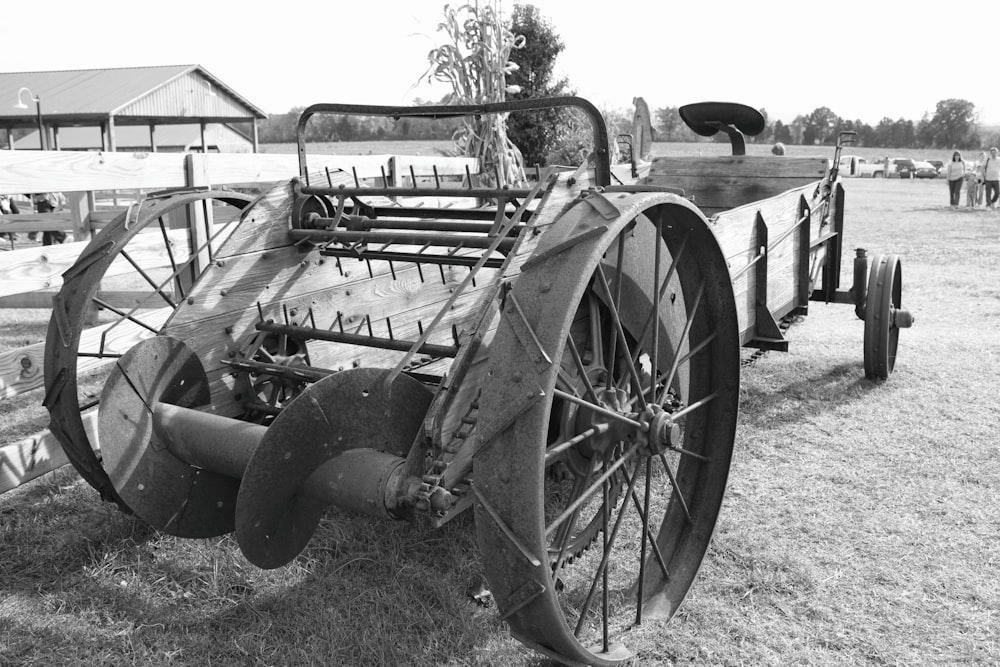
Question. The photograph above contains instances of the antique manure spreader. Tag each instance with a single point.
(563, 357)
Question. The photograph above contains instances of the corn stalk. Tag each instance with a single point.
(474, 60)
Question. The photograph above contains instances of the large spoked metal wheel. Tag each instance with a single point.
(122, 289)
(884, 316)
(607, 428)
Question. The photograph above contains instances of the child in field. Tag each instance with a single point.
(971, 188)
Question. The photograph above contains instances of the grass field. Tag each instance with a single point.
(860, 527)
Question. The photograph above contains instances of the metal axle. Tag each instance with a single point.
(363, 480)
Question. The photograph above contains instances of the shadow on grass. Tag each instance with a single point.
(813, 392)
(83, 583)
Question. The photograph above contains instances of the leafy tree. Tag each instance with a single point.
(782, 133)
(953, 125)
(540, 133)
(820, 126)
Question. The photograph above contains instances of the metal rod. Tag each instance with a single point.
(401, 191)
(454, 224)
(599, 409)
(358, 339)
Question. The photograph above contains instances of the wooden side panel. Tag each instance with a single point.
(737, 234)
(42, 267)
(21, 369)
(722, 183)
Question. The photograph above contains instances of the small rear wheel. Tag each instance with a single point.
(884, 316)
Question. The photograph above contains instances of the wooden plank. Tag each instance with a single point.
(229, 168)
(76, 171)
(56, 221)
(21, 369)
(42, 267)
(735, 230)
(32, 457)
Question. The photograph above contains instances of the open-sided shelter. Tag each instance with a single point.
(178, 107)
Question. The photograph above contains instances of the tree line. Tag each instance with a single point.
(561, 136)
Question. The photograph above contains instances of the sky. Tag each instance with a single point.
(863, 60)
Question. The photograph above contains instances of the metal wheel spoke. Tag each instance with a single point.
(157, 288)
(581, 369)
(609, 546)
(687, 329)
(633, 374)
(599, 409)
(694, 406)
(123, 315)
(680, 362)
(555, 452)
(647, 535)
(170, 253)
(590, 490)
(654, 352)
(642, 549)
(663, 290)
(613, 303)
(677, 489)
(579, 483)
(604, 576)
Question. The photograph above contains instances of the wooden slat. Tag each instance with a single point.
(32, 457)
(21, 369)
(42, 267)
(74, 171)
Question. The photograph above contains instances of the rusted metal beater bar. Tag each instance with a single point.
(358, 339)
(362, 224)
(401, 237)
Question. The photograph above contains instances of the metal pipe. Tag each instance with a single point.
(362, 224)
(363, 480)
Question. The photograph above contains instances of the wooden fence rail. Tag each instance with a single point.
(30, 277)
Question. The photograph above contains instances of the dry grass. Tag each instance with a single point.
(860, 527)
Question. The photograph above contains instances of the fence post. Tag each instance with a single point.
(81, 204)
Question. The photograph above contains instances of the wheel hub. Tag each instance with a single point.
(661, 433)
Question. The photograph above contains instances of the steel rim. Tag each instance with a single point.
(76, 364)
(582, 604)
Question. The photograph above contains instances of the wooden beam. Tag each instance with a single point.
(32, 457)
(42, 267)
(21, 369)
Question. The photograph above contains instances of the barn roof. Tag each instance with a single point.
(132, 95)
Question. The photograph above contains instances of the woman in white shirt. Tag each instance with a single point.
(956, 174)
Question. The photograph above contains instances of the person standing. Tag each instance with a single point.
(47, 202)
(956, 175)
(980, 185)
(8, 207)
(991, 178)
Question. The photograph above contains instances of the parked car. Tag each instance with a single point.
(938, 165)
(904, 168)
(925, 170)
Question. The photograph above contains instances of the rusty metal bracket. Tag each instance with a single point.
(505, 531)
(488, 429)
(525, 334)
(604, 206)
